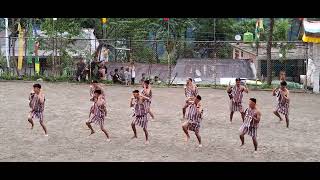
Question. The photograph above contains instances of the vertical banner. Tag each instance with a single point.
(30, 45)
(36, 61)
(20, 47)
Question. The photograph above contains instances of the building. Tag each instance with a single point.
(293, 62)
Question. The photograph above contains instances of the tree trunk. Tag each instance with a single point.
(269, 63)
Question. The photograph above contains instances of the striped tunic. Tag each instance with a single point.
(98, 113)
(147, 103)
(36, 106)
(194, 118)
(190, 93)
(249, 126)
(283, 104)
(236, 96)
(140, 114)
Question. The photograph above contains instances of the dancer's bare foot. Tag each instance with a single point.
(146, 143)
(92, 132)
(200, 145)
(46, 135)
(187, 139)
(133, 137)
(30, 121)
(108, 139)
(241, 145)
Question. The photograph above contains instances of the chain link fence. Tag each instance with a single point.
(58, 57)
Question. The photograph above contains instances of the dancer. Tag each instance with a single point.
(282, 107)
(194, 117)
(236, 94)
(146, 91)
(250, 125)
(36, 103)
(191, 92)
(95, 86)
(140, 113)
(98, 113)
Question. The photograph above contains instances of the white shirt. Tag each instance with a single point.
(133, 72)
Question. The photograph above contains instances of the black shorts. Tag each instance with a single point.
(132, 80)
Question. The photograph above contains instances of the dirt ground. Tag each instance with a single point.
(67, 107)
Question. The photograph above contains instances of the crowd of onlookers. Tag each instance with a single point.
(99, 71)
(124, 75)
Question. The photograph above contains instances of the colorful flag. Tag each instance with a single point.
(259, 28)
(20, 47)
(36, 60)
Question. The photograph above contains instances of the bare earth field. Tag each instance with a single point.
(67, 107)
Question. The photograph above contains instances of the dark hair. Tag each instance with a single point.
(116, 70)
(143, 74)
(253, 100)
(199, 97)
(190, 79)
(98, 91)
(37, 86)
(283, 83)
(147, 81)
(135, 91)
(94, 81)
(238, 79)
(121, 68)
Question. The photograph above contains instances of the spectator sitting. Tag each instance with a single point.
(143, 78)
(156, 80)
(116, 77)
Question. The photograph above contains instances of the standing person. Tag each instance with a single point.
(121, 75)
(251, 121)
(133, 73)
(282, 107)
(236, 94)
(191, 92)
(102, 58)
(81, 66)
(194, 118)
(36, 103)
(127, 77)
(140, 114)
(98, 113)
(146, 91)
(282, 76)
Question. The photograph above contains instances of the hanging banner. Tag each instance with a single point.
(30, 45)
(36, 61)
(20, 47)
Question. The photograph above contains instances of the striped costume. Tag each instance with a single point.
(189, 93)
(147, 103)
(283, 104)
(249, 126)
(236, 96)
(194, 118)
(140, 114)
(36, 106)
(98, 113)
